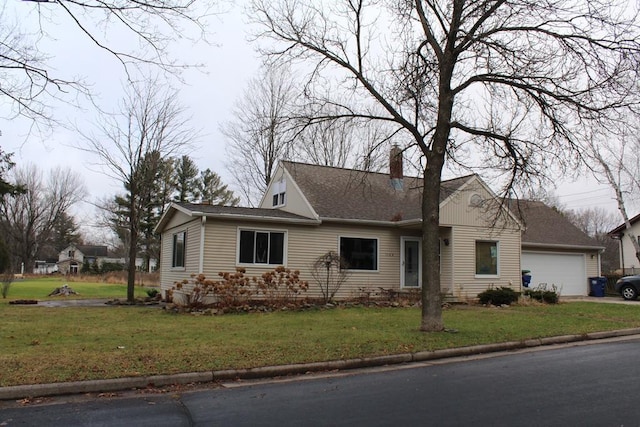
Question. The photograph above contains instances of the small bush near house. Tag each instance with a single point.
(542, 294)
(278, 287)
(498, 296)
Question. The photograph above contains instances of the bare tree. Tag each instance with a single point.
(329, 271)
(30, 84)
(347, 143)
(28, 220)
(131, 145)
(617, 163)
(261, 133)
(486, 84)
(596, 222)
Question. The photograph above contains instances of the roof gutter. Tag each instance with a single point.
(224, 216)
(374, 222)
(561, 246)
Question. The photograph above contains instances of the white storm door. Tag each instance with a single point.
(410, 265)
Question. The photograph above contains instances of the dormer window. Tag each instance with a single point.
(279, 190)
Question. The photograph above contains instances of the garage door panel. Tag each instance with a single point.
(566, 271)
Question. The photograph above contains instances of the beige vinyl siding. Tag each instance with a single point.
(294, 200)
(446, 261)
(176, 220)
(592, 259)
(168, 275)
(465, 282)
(303, 245)
(459, 209)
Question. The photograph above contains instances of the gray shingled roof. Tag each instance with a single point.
(352, 194)
(623, 226)
(547, 225)
(93, 251)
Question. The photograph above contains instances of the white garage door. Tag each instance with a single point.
(567, 271)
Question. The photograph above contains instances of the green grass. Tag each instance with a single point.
(40, 288)
(41, 344)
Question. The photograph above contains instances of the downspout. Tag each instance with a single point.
(203, 222)
(621, 253)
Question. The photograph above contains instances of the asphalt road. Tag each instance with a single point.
(595, 384)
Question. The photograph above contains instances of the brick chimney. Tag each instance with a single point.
(395, 168)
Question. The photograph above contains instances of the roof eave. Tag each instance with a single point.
(227, 216)
(375, 222)
(561, 246)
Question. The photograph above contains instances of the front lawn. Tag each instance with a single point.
(41, 344)
(39, 289)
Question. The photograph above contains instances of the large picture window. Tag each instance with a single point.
(261, 247)
(359, 253)
(179, 249)
(487, 258)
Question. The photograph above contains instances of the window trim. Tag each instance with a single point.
(174, 265)
(377, 260)
(285, 240)
(278, 193)
(475, 258)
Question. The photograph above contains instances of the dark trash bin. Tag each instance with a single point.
(526, 278)
(597, 286)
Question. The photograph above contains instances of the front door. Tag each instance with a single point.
(410, 262)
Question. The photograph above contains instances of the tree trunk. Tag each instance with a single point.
(133, 246)
(431, 295)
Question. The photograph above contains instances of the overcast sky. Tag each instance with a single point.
(208, 95)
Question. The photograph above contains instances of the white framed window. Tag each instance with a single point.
(359, 253)
(487, 258)
(178, 254)
(279, 191)
(261, 247)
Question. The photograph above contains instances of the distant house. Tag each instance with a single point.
(373, 220)
(71, 258)
(47, 266)
(628, 260)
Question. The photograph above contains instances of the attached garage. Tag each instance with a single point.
(568, 271)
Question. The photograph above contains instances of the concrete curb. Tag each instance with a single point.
(117, 384)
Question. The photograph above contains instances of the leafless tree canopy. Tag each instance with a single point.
(261, 133)
(27, 220)
(29, 83)
(506, 86)
(272, 123)
(615, 160)
(132, 144)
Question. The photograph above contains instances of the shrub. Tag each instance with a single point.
(542, 294)
(498, 296)
(281, 285)
(330, 272)
(152, 292)
(107, 267)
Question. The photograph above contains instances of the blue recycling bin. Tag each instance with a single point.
(526, 278)
(597, 286)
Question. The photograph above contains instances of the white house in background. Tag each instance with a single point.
(629, 263)
(45, 266)
(373, 220)
(71, 258)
